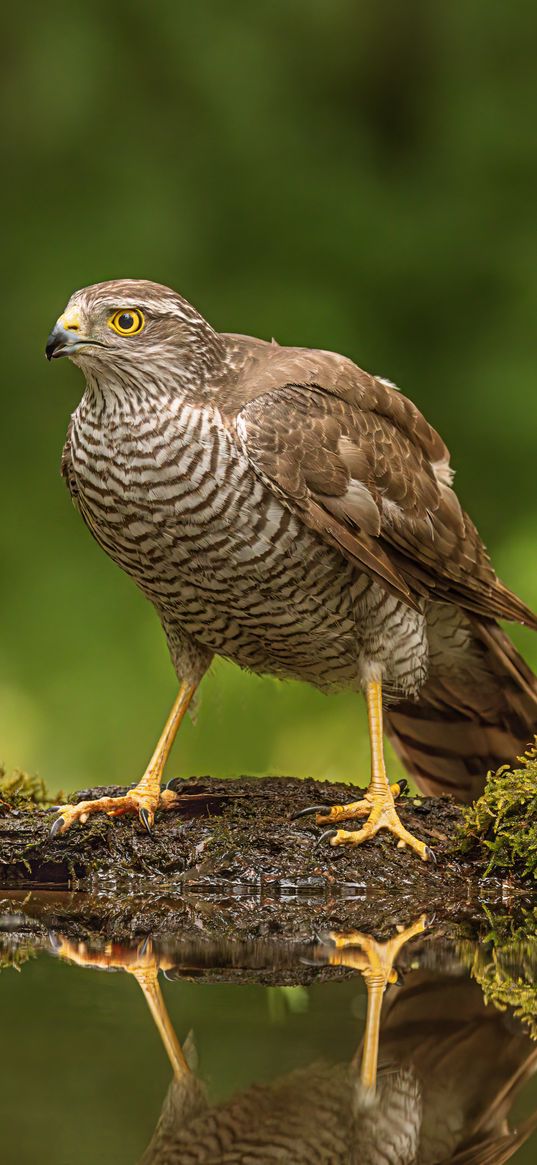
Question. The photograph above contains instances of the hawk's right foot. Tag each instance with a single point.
(146, 796)
(137, 800)
(142, 801)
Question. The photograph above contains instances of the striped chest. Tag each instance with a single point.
(172, 498)
(174, 501)
(164, 490)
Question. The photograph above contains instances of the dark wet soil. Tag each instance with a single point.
(235, 832)
(230, 861)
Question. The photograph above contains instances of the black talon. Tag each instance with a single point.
(56, 826)
(399, 982)
(328, 833)
(52, 808)
(144, 946)
(309, 810)
(431, 856)
(146, 820)
(403, 786)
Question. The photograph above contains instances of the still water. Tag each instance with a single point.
(341, 1049)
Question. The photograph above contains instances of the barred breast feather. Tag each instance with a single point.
(172, 498)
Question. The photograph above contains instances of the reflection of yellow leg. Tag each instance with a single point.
(379, 798)
(144, 966)
(375, 962)
(147, 977)
(145, 798)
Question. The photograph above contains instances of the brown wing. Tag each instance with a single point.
(363, 468)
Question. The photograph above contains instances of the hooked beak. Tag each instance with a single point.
(61, 342)
(65, 338)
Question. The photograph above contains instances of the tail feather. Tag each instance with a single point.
(467, 720)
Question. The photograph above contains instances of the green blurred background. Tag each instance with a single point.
(330, 172)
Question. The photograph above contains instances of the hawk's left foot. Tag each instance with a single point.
(379, 807)
(378, 804)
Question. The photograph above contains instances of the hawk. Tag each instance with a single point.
(286, 510)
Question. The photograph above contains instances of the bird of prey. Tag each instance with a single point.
(286, 510)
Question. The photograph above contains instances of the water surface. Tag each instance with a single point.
(100, 1039)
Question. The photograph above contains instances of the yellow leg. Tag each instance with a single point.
(375, 962)
(378, 804)
(146, 797)
(144, 966)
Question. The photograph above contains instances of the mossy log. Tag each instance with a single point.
(238, 837)
(237, 831)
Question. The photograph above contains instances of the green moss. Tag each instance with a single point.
(21, 789)
(503, 821)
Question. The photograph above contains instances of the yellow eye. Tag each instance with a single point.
(127, 323)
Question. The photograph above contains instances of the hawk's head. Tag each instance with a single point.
(131, 328)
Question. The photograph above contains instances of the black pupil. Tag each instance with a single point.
(126, 321)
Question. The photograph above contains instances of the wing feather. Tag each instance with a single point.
(364, 469)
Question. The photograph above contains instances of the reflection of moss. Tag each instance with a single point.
(20, 788)
(504, 819)
(499, 987)
(505, 966)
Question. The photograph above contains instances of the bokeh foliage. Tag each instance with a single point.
(341, 174)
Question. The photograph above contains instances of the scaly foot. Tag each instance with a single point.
(361, 808)
(141, 800)
(379, 808)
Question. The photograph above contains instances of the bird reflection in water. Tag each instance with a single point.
(433, 1080)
